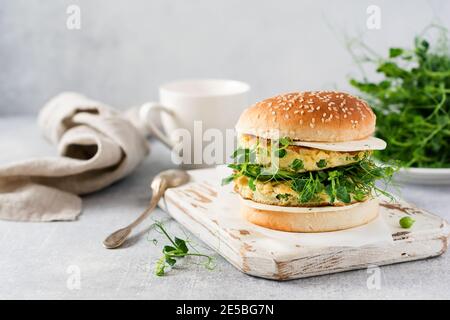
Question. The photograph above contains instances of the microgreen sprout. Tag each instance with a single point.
(411, 101)
(177, 249)
(346, 183)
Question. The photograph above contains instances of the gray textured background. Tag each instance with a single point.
(125, 49)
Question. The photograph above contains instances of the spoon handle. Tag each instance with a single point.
(117, 238)
(158, 188)
(166, 179)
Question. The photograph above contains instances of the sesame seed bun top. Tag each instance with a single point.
(322, 116)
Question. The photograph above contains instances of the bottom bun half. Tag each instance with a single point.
(319, 219)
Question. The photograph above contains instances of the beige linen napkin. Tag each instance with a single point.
(97, 147)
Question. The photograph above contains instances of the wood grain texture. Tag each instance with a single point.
(201, 207)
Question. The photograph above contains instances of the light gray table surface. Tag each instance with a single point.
(39, 260)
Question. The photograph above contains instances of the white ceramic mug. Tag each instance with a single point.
(216, 103)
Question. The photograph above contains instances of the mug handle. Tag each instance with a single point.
(145, 113)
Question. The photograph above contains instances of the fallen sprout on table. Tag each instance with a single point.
(177, 249)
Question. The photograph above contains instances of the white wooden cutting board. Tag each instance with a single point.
(203, 208)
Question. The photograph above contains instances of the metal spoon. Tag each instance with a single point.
(166, 179)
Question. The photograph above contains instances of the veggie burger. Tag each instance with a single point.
(303, 162)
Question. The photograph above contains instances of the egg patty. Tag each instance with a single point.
(280, 193)
(297, 158)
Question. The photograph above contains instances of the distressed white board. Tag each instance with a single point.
(201, 207)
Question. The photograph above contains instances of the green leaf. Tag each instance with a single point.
(181, 245)
(322, 163)
(306, 195)
(296, 165)
(234, 166)
(331, 192)
(169, 249)
(385, 84)
(241, 155)
(228, 179)
(359, 195)
(395, 52)
(251, 184)
(170, 261)
(392, 70)
(252, 170)
(298, 185)
(334, 174)
(342, 194)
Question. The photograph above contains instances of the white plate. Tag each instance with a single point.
(429, 176)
